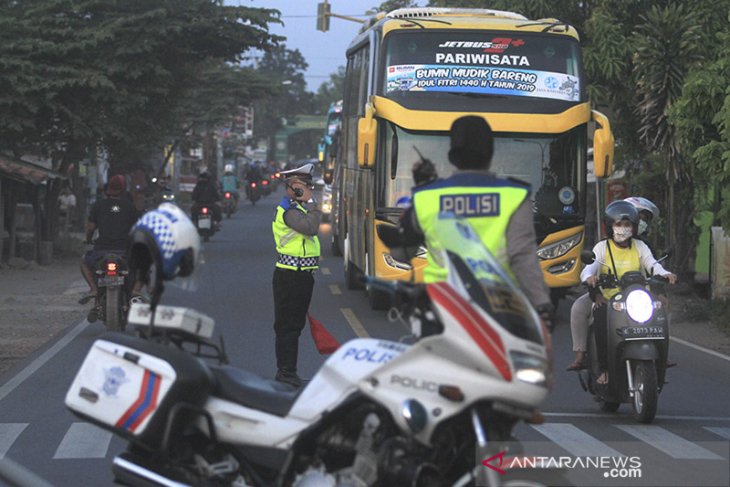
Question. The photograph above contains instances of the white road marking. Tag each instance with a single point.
(84, 440)
(575, 441)
(325, 271)
(36, 364)
(9, 432)
(335, 289)
(719, 430)
(701, 349)
(354, 323)
(675, 418)
(673, 445)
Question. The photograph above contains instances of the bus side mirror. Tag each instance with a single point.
(603, 146)
(367, 133)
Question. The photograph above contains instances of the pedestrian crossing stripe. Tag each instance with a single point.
(87, 441)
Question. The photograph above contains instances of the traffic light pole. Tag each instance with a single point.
(324, 14)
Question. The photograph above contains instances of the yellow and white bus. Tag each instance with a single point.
(411, 73)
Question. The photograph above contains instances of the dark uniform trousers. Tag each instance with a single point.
(292, 295)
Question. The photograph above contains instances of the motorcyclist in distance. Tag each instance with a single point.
(230, 182)
(205, 193)
(618, 254)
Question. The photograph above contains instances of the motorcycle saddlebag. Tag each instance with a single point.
(129, 386)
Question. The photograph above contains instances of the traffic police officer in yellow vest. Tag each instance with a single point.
(499, 209)
(295, 230)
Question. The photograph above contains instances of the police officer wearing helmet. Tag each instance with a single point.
(618, 254)
(295, 229)
(500, 211)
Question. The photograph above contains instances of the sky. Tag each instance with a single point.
(323, 51)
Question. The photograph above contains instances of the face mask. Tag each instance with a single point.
(622, 234)
(643, 225)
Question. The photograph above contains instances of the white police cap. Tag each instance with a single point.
(303, 172)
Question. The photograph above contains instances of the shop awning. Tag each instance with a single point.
(26, 172)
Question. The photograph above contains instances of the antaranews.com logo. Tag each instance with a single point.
(618, 467)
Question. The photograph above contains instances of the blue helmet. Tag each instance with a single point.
(162, 245)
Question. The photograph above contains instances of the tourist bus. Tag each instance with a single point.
(410, 74)
(327, 149)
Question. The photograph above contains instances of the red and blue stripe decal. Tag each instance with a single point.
(480, 330)
(145, 404)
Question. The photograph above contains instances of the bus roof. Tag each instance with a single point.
(461, 18)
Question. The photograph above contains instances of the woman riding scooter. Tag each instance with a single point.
(617, 254)
(580, 312)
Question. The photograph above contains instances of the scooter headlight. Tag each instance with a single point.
(639, 306)
(529, 368)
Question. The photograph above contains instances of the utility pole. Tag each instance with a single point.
(324, 12)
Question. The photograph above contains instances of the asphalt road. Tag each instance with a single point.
(687, 444)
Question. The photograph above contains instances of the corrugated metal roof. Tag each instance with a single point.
(26, 171)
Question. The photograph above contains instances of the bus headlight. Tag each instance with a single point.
(559, 248)
(639, 306)
(529, 368)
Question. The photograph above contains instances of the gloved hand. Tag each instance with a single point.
(423, 172)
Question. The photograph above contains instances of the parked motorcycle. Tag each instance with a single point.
(229, 203)
(203, 220)
(637, 342)
(112, 299)
(377, 413)
(253, 192)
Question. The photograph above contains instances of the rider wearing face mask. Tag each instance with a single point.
(617, 254)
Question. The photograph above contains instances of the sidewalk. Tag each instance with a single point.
(36, 304)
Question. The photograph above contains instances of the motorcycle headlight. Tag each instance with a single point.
(559, 248)
(639, 306)
(529, 368)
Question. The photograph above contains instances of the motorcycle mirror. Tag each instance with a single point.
(587, 257)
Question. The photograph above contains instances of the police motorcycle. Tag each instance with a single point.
(112, 298)
(377, 413)
(637, 342)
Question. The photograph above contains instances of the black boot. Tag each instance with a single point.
(289, 376)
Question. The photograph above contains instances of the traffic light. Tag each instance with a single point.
(323, 16)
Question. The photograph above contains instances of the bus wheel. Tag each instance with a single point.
(379, 300)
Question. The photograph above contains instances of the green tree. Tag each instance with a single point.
(284, 71)
(330, 91)
(78, 74)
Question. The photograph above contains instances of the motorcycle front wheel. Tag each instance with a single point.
(113, 309)
(646, 393)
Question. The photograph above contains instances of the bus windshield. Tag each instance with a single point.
(553, 165)
(481, 64)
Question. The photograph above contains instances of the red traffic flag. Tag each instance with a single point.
(323, 339)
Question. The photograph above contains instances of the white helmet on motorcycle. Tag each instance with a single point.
(163, 245)
(228, 168)
(644, 207)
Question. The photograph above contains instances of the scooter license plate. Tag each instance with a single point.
(643, 332)
(204, 222)
(107, 281)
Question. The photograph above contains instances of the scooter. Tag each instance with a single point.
(637, 341)
(203, 220)
(112, 300)
(378, 412)
(253, 192)
(229, 203)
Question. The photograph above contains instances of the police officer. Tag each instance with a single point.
(295, 230)
(499, 209)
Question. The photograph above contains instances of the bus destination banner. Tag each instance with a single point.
(482, 80)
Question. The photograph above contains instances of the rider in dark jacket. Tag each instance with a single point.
(205, 193)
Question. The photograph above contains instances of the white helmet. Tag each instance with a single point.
(643, 204)
(162, 245)
(228, 168)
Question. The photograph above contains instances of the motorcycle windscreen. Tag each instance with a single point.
(483, 277)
